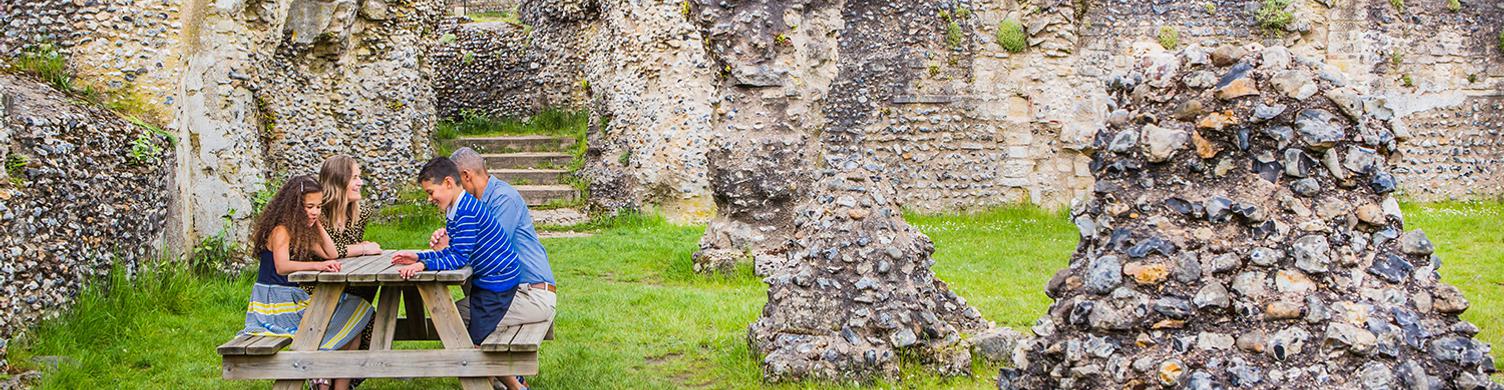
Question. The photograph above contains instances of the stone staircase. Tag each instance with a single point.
(536, 166)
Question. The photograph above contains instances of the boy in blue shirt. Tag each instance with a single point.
(476, 239)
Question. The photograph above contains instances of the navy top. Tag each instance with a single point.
(268, 272)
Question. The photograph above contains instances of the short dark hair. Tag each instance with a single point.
(437, 169)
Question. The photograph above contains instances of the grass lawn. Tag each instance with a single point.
(633, 315)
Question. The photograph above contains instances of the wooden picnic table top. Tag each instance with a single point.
(376, 269)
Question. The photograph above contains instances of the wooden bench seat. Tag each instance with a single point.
(519, 338)
(253, 345)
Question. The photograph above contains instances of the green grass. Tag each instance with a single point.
(506, 17)
(634, 315)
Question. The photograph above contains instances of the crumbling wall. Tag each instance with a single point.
(650, 87)
(128, 48)
(857, 290)
(1242, 232)
(75, 200)
(497, 69)
(776, 61)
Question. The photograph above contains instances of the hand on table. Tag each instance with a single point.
(404, 258)
(329, 266)
(365, 248)
(410, 270)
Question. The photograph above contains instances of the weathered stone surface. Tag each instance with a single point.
(1331, 295)
(59, 228)
(858, 291)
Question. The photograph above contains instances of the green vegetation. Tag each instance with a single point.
(448, 38)
(1399, 5)
(1211, 8)
(48, 64)
(1011, 36)
(1273, 17)
(1472, 78)
(684, 8)
(144, 150)
(212, 254)
(631, 284)
(1454, 5)
(268, 190)
(1407, 81)
(1168, 37)
(1501, 41)
(1396, 57)
(467, 57)
(953, 35)
(507, 17)
(781, 39)
(15, 169)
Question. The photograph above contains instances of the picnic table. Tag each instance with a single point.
(507, 351)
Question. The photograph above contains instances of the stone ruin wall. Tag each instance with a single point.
(253, 91)
(132, 47)
(77, 208)
(257, 90)
(979, 126)
(474, 6)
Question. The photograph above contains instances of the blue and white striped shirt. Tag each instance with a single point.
(476, 239)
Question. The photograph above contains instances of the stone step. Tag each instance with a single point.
(527, 160)
(537, 195)
(530, 176)
(519, 143)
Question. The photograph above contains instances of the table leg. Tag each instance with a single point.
(446, 319)
(384, 326)
(417, 327)
(315, 322)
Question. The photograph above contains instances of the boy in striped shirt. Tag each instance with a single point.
(475, 238)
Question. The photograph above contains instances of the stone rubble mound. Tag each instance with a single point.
(859, 291)
(1242, 233)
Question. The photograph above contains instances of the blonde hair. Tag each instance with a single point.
(335, 177)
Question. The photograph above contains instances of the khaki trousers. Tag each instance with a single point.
(531, 305)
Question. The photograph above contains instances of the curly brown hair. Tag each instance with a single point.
(286, 209)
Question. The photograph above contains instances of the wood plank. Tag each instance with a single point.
(235, 346)
(550, 335)
(501, 339)
(344, 269)
(304, 276)
(267, 345)
(351, 268)
(390, 275)
(446, 318)
(368, 274)
(406, 332)
(457, 275)
(384, 324)
(296, 365)
(530, 336)
(415, 312)
(311, 329)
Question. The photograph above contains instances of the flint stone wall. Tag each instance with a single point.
(979, 126)
(78, 207)
(497, 69)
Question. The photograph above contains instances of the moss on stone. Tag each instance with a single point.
(953, 35)
(1272, 15)
(1168, 37)
(1011, 36)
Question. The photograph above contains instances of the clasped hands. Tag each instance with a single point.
(438, 241)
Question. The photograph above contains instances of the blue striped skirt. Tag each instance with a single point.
(277, 310)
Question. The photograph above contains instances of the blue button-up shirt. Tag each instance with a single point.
(507, 205)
